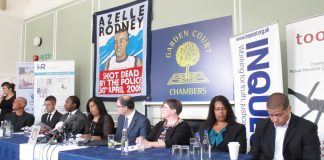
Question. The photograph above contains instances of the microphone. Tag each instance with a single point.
(68, 123)
(77, 124)
(52, 137)
(73, 125)
(57, 136)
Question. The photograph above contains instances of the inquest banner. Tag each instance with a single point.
(257, 74)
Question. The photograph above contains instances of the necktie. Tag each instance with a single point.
(68, 115)
(49, 118)
(125, 123)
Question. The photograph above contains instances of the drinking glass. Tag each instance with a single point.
(26, 131)
(176, 151)
(192, 143)
(111, 141)
(185, 152)
(140, 145)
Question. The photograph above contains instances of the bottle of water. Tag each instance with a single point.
(1, 130)
(4, 128)
(197, 151)
(206, 147)
(124, 142)
(8, 130)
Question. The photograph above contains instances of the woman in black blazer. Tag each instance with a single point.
(222, 127)
(171, 130)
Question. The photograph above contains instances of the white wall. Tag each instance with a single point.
(10, 44)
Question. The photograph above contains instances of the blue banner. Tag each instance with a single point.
(192, 62)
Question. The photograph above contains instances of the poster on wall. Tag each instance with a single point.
(257, 74)
(121, 36)
(25, 84)
(52, 78)
(305, 46)
(192, 62)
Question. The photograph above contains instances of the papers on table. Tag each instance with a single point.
(130, 148)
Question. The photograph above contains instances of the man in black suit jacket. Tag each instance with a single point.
(52, 116)
(284, 135)
(137, 124)
(19, 118)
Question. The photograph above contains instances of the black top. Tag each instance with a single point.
(179, 134)
(234, 133)
(19, 122)
(102, 128)
(6, 106)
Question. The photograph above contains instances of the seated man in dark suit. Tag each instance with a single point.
(52, 116)
(135, 123)
(74, 120)
(284, 135)
(19, 118)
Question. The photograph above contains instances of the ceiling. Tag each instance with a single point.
(23, 9)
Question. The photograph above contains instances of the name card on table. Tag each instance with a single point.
(34, 134)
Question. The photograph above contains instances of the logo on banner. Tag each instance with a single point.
(188, 55)
(313, 104)
(41, 66)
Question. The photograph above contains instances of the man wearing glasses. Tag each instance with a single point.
(134, 122)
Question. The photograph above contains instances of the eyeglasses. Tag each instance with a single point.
(117, 106)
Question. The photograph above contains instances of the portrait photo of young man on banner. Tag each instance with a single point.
(121, 37)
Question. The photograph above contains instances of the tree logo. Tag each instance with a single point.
(187, 55)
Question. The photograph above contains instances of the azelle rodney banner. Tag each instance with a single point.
(121, 38)
(192, 62)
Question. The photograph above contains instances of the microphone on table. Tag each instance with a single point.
(73, 125)
(57, 134)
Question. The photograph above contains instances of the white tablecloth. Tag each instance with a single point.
(44, 151)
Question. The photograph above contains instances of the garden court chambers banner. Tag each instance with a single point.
(305, 54)
(257, 73)
(192, 62)
(121, 38)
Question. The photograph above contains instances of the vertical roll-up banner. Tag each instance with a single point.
(54, 78)
(25, 83)
(305, 54)
(257, 74)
